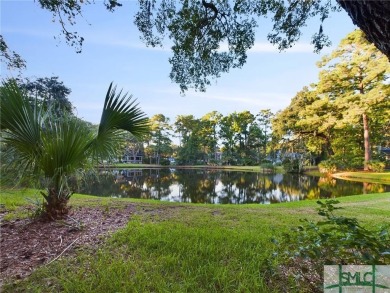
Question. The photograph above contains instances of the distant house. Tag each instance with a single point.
(133, 156)
(385, 151)
(218, 156)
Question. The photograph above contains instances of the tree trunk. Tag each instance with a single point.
(367, 151)
(373, 18)
(56, 204)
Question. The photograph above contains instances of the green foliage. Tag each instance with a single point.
(158, 140)
(351, 96)
(169, 247)
(10, 58)
(292, 165)
(199, 29)
(335, 163)
(328, 166)
(334, 240)
(376, 166)
(50, 93)
(268, 167)
(53, 150)
(165, 162)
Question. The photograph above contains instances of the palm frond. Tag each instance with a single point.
(20, 125)
(120, 112)
(65, 146)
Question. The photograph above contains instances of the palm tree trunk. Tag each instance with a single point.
(56, 203)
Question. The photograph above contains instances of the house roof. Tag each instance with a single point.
(385, 150)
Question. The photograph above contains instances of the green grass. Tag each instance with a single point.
(20, 203)
(11, 199)
(382, 177)
(170, 247)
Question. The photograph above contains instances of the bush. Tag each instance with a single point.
(327, 166)
(335, 240)
(292, 165)
(268, 167)
(376, 166)
(353, 164)
(164, 162)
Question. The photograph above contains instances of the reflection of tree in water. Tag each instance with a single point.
(291, 189)
(99, 184)
(228, 180)
(265, 187)
(156, 183)
(207, 186)
(373, 188)
(130, 182)
(197, 186)
(336, 187)
(242, 185)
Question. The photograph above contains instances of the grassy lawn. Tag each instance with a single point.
(171, 247)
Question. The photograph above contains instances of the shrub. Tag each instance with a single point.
(164, 162)
(327, 166)
(353, 164)
(334, 240)
(268, 167)
(376, 166)
(292, 165)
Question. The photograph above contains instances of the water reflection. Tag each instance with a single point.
(226, 187)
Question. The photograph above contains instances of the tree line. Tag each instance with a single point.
(239, 138)
(339, 121)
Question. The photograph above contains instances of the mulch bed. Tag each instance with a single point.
(27, 244)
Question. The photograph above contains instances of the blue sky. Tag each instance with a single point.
(112, 51)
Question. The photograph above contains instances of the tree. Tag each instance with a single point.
(242, 125)
(184, 126)
(53, 150)
(159, 135)
(264, 118)
(209, 134)
(188, 128)
(255, 144)
(12, 59)
(50, 92)
(198, 29)
(227, 135)
(354, 77)
(334, 114)
(308, 118)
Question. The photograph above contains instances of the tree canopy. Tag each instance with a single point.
(347, 110)
(210, 38)
(50, 93)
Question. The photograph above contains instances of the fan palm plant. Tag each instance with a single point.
(41, 146)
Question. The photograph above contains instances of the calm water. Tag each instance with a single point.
(224, 187)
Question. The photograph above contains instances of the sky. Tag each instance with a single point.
(113, 52)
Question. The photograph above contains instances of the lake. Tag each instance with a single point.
(221, 187)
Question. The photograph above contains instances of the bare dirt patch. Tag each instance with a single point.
(26, 244)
